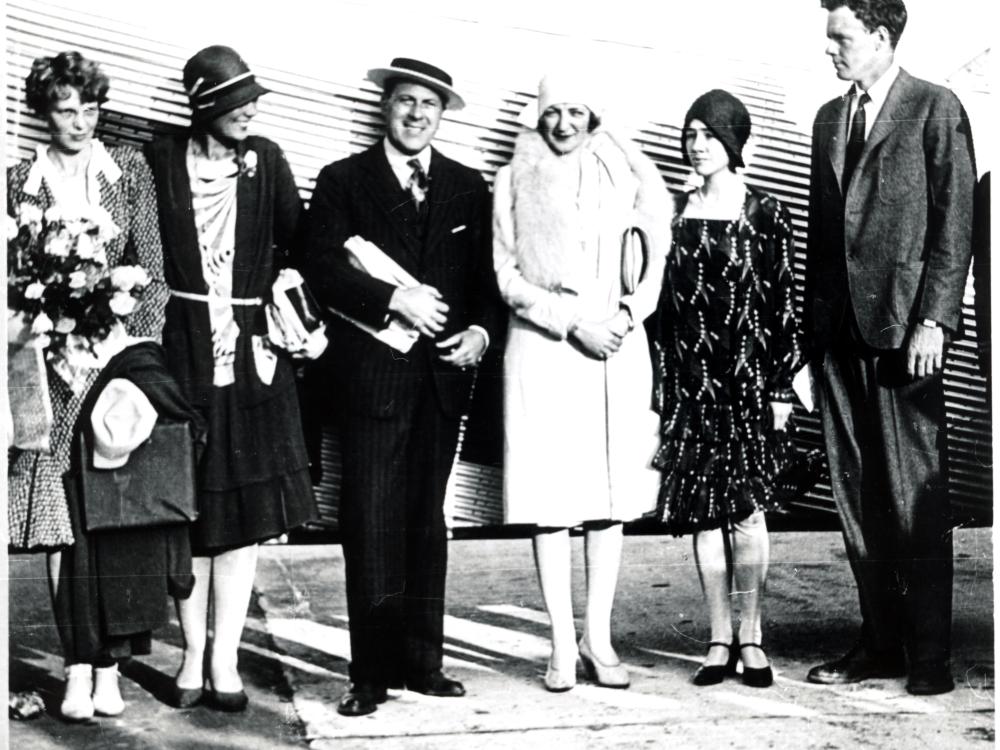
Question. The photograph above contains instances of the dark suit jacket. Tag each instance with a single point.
(360, 195)
(981, 246)
(114, 584)
(894, 243)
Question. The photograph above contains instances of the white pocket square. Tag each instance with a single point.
(459, 228)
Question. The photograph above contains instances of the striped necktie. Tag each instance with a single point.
(855, 140)
(417, 184)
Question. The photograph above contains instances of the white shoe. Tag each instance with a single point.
(107, 697)
(77, 704)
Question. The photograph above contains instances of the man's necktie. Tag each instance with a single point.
(855, 140)
(417, 184)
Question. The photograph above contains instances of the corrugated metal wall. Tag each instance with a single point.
(317, 120)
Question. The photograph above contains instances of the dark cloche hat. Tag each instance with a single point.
(419, 72)
(726, 117)
(217, 80)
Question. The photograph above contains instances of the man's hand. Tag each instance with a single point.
(597, 338)
(782, 412)
(464, 349)
(421, 307)
(924, 351)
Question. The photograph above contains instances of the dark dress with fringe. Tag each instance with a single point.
(726, 344)
(254, 481)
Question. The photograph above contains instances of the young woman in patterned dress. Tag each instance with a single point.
(228, 207)
(727, 347)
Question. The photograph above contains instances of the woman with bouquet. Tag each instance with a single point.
(228, 206)
(84, 242)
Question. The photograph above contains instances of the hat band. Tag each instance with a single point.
(198, 98)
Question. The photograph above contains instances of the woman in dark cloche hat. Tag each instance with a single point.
(229, 208)
(726, 350)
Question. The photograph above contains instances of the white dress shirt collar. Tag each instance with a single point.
(877, 94)
(398, 161)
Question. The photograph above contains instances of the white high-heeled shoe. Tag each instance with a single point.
(77, 704)
(107, 696)
(605, 675)
(559, 680)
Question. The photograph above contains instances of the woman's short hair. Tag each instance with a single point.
(51, 78)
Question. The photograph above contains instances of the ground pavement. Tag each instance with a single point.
(295, 650)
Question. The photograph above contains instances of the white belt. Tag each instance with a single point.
(216, 298)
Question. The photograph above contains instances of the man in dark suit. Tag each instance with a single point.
(399, 411)
(888, 254)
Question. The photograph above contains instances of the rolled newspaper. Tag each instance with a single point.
(368, 257)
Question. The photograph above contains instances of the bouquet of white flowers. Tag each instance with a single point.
(62, 299)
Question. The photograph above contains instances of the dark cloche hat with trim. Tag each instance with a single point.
(726, 117)
(420, 72)
(217, 80)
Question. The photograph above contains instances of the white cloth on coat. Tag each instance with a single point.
(579, 433)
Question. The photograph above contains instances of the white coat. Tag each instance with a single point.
(579, 432)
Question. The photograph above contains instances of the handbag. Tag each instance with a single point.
(293, 314)
(155, 488)
(28, 401)
(635, 258)
(799, 472)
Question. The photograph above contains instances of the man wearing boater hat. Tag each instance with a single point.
(399, 412)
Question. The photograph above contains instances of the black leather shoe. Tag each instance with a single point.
(930, 679)
(437, 685)
(758, 677)
(857, 665)
(230, 702)
(713, 674)
(185, 697)
(360, 700)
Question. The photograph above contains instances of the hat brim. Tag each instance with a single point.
(379, 76)
(229, 101)
(113, 451)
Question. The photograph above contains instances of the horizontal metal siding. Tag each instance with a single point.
(317, 121)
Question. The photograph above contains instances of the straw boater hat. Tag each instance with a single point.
(217, 80)
(122, 419)
(419, 72)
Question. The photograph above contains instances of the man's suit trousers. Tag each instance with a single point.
(884, 435)
(395, 473)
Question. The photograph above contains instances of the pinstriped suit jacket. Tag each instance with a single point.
(360, 195)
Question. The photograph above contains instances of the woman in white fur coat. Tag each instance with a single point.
(579, 432)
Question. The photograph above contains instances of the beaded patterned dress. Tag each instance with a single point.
(726, 345)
